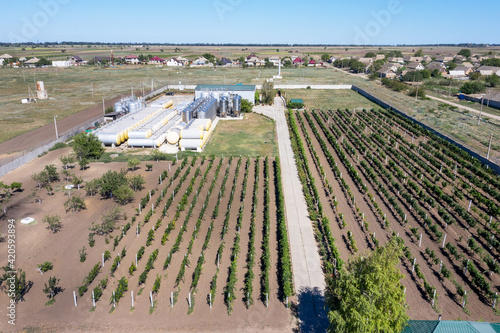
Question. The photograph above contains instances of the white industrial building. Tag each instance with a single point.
(245, 91)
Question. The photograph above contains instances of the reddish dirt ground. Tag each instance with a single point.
(36, 244)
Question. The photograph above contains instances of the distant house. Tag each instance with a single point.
(444, 59)
(225, 62)
(489, 70)
(312, 63)
(332, 59)
(182, 61)
(410, 58)
(173, 62)
(253, 60)
(156, 61)
(427, 59)
(415, 66)
(201, 62)
(6, 56)
(275, 60)
(467, 64)
(132, 59)
(100, 59)
(379, 57)
(76, 60)
(437, 65)
(386, 72)
(460, 71)
(22, 59)
(396, 60)
(32, 62)
(366, 60)
(298, 61)
(390, 66)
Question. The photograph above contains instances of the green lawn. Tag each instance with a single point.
(255, 135)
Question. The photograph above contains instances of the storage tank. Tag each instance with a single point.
(237, 105)
(119, 107)
(40, 86)
(132, 107)
(190, 143)
(223, 106)
(192, 133)
(216, 95)
(173, 136)
(205, 94)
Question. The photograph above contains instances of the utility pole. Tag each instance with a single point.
(103, 107)
(489, 147)
(55, 124)
(480, 112)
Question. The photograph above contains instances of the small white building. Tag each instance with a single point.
(62, 63)
(173, 62)
(1, 62)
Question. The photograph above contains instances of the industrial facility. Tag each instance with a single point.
(171, 121)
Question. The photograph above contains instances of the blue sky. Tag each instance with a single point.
(257, 21)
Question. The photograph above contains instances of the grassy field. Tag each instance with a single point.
(71, 89)
(331, 99)
(253, 136)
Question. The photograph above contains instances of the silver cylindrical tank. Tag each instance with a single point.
(132, 107)
(223, 106)
(216, 95)
(119, 107)
(186, 115)
(237, 105)
(205, 94)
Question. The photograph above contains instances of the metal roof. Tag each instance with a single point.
(435, 326)
(229, 87)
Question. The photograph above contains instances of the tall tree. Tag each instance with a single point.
(87, 146)
(464, 52)
(268, 92)
(367, 295)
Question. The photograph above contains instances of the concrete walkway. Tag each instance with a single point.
(484, 114)
(309, 281)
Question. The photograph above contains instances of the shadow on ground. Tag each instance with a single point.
(312, 310)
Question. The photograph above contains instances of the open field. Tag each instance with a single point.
(253, 136)
(370, 175)
(209, 227)
(333, 99)
(71, 90)
(54, 52)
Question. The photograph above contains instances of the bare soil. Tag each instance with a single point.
(36, 244)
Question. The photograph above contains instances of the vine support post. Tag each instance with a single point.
(444, 240)
(74, 296)
(420, 241)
